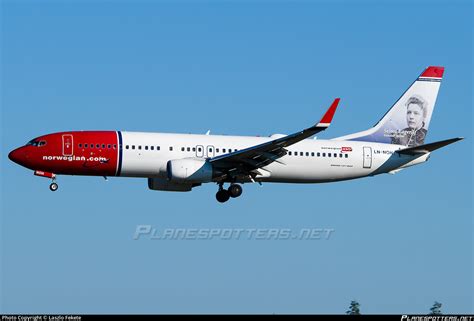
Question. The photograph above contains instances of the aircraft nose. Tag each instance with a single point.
(17, 155)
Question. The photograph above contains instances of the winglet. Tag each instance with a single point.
(327, 118)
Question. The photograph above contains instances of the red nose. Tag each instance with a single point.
(17, 156)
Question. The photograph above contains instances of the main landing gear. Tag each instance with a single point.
(223, 195)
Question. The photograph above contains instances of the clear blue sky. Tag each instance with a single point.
(400, 242)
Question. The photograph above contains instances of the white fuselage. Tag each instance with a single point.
(309, 161)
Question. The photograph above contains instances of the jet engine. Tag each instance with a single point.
(162, 184)
(190, 170)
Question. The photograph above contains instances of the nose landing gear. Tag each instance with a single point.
(223, 195)
(53, 187)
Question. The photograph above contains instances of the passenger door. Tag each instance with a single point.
(367, 157)
(68, 145)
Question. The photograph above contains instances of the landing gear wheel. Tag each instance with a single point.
(222, 196)
(53, 187)
(235, 190)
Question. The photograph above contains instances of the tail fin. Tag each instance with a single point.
(406, 123)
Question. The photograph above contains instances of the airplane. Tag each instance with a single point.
(181, 162)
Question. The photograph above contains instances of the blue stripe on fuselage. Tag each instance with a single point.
(119, 167)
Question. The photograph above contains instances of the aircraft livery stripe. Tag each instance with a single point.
(429, 79)
(120, 149)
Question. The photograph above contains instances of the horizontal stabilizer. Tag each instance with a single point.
(427, 148)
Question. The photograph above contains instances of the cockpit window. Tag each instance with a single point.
(36, 143)
(33, 142)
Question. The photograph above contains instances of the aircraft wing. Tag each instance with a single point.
(427, 148)
(246, 160)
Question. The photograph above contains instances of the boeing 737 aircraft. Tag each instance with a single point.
(180, 162)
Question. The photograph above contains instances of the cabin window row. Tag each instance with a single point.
(318, 154)
(210, 149)
(103, 146)
(199, 149)
(146, 147)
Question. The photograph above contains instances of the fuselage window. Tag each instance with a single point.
(109, 146)
(223, 150)
(80, 145)
(157, 147)
(324, 154)
(312, 154)
(289, 153)
(115, 146)
(199, 149)
(210, 150)
(85, 145)
(152, 147)
(182, 149)
(335, 155)
(318, 154)
(188, 149)
(307, 153)
(347, 155)
(91, 145)
(301, 153)
(98, 145)
(217, 150)
(329, 154)
(194, 149)
(340, 155)
(126, 146)
(103, 145)
(133, 146)
(139, 146)
(171, 148)
(146, 147)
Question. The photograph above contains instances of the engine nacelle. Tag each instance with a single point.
(191, 170)
(160, 184)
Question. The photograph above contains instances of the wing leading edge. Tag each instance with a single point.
(249, 159)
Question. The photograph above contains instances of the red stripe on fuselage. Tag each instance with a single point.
(75, 153)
